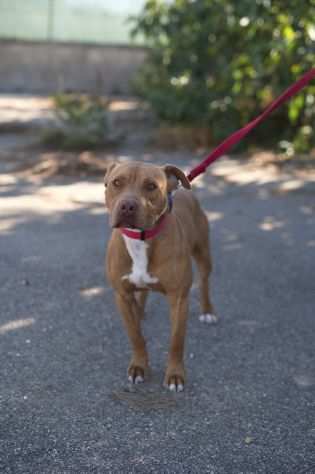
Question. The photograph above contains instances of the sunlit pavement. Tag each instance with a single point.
(248, 407)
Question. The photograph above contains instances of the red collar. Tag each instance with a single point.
(145, 234)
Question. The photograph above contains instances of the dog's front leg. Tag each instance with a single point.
(132, 320)
(175, 371)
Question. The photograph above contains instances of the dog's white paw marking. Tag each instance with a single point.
(139, 275)
(208, 318)
(138, 379)
(175, 388)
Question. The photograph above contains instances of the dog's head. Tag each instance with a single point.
(137, 193)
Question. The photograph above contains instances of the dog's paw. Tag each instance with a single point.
(208, 318)
(135, 374)
(175, 383)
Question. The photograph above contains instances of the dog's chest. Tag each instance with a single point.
(139, 274)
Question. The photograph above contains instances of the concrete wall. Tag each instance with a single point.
(45, 68)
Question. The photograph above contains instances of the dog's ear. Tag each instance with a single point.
(174, 175)
(109, 168)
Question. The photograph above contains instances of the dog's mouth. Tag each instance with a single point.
(129, 223)
(126, 222)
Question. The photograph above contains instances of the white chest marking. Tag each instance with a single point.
(139, 275)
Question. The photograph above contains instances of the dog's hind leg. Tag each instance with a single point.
(202, 257)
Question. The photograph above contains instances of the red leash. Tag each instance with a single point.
(239, 134)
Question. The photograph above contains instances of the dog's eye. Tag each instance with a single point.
(150, 186)
(116, 183)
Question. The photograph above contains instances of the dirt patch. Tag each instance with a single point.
(56, 163)
(281, 161)
(144, 400)
(21, 152)
(41, 163)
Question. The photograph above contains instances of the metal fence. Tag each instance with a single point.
(92, 21)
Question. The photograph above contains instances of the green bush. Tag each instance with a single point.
(81, 122)
(217, 63)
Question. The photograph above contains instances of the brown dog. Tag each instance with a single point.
(151, 246)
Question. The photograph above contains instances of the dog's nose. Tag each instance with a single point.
(128, 208)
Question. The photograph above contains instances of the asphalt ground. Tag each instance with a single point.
(248, 406)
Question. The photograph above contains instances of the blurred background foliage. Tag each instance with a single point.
(217, 63)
